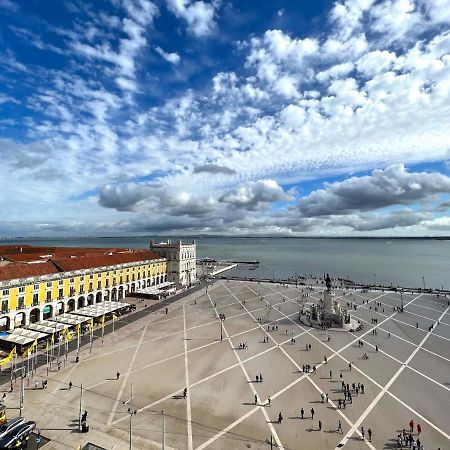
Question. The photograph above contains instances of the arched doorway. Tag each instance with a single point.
(98, 297)
(60, 308)
(133, 287)
(71, 305)
(35, 315)
(5, 323)
(114, 294)
(80, 302)
(120, 293)
(90, 299)
(106, 295)
(47, 312)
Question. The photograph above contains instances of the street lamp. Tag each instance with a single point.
(423, 280)
(221, 319)
(374, 279)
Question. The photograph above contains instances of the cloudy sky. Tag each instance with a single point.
(220, 116)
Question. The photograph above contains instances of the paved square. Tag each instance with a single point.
(405, 377)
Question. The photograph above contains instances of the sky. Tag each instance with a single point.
(178, 117)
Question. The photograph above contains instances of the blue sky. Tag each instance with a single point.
(231, 117)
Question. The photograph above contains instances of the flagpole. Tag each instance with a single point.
(78, 341)
(91, 332)
(46, 352)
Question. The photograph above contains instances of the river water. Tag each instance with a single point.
(404, 262)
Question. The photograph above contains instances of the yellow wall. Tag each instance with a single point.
(113, 277)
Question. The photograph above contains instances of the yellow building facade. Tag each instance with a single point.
(29, 299)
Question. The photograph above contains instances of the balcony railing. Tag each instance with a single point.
(5, 311)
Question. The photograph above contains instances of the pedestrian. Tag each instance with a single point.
(184, 392)
(302, 413)
(325, 359)
(376, 348)
(280, 417)
(369, 433)
(257, 378)
(362, 432)
(260, 378)
(256, 399)
(320, 425)
(167, 310)
(268, 401)
(70, 385)
(117, 375)
(349, 366)
(339, 428)
(36, 384)
(326, 397)
(419, 429)
(411, 425)
(312, 413)
(331, 374)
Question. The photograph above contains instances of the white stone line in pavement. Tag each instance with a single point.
(410, 325)
(401, 362)
(424, 419)
(385, 389)
(244, 370)
(410, 312)
(274, 396)
(307, 377)
(161, 337)
(407, 341)
(209, 377)
(188, 387)
(125, 379)
(189, 351)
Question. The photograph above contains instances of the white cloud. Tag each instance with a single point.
(198, 14)
(172, 57)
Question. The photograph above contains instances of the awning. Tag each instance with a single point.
(100, 309)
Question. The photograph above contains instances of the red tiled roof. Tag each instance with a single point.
(15, 271)
(64, 259)
(90, 262)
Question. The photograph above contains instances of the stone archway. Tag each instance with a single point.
(80, 302)
(71, 305)
(120, 293)
(35, 315)
(114, 294)
(98, 297)
(60, 308)
(5, 323)
(133, 287)
(47, 312)
(90, 299)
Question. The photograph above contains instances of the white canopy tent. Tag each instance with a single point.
(99, 310)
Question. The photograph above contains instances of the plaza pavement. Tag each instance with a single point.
(159, 355)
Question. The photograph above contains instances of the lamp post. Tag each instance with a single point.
(374, 279)
(221, 319)
(423, 281)
(401, 299)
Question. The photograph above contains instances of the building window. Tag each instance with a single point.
(49, 295)
(22, 289)
(49, 284)
(5, 292)
(4, 306)
(99, 284)
(71, 280)
(21, 303)
(35, 299)
(61, 293)
(36, 287)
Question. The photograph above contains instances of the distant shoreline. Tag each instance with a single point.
(385, 238)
